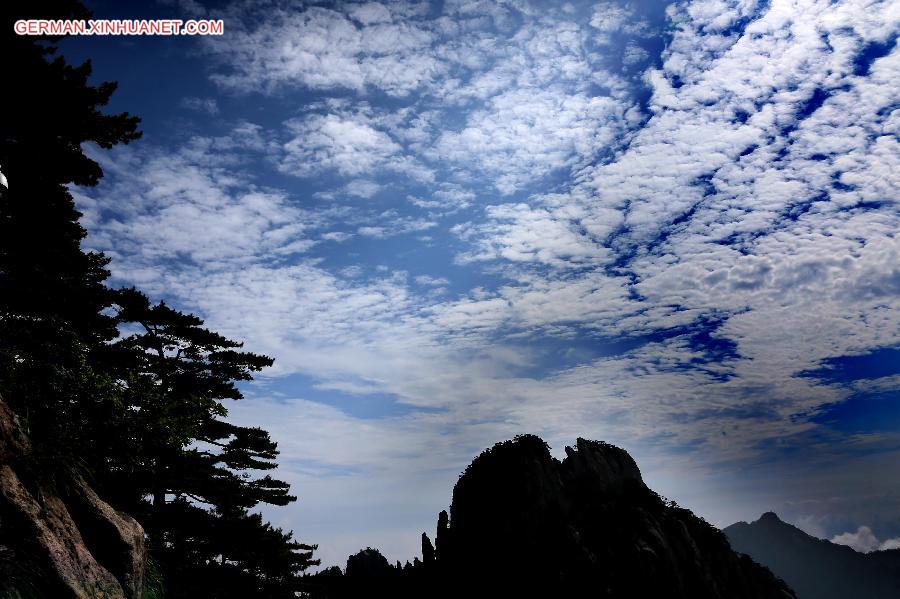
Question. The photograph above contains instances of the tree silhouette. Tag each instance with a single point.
(52, 294)
(195, 466)
(109, 385)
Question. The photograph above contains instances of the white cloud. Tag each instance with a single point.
(865, 541)
(519, 233)
(431, 281)
(525, 133)
(529, 90)
(696, 181)
(444, 199)
(351, 143)
(331, 142)
(321, 48)
(634, 55)
(207, 105)
(395, 225)
(194, 205)
(338, 236)
(371, 12)
(362, 188)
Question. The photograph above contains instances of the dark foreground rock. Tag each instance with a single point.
(815, 568)
(522, 523)
(63, 542)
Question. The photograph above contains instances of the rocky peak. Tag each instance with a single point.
(519, 514)
(524, 524)
(368, 563)
(601, 466)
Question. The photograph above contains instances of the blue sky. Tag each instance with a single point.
(673, 227)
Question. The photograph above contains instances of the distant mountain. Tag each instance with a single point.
(814, 568)
(524, 524)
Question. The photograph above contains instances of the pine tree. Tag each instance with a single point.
(194, 465)
(141, 415)
(52, 294)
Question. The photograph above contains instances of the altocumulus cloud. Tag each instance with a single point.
(644, 226)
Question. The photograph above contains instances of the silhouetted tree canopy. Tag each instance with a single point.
(109, 384)
(53, 298)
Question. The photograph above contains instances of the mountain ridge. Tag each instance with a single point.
(816, 568)
(523, 523)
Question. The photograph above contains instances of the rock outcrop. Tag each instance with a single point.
(368, 563)
(65, 543)
(524, 524)
(816, 568)
(587, 522)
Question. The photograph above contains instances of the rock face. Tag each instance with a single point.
(13, 441)
(589, 522)
(815, 568)
(67, 544)
(115, 538)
